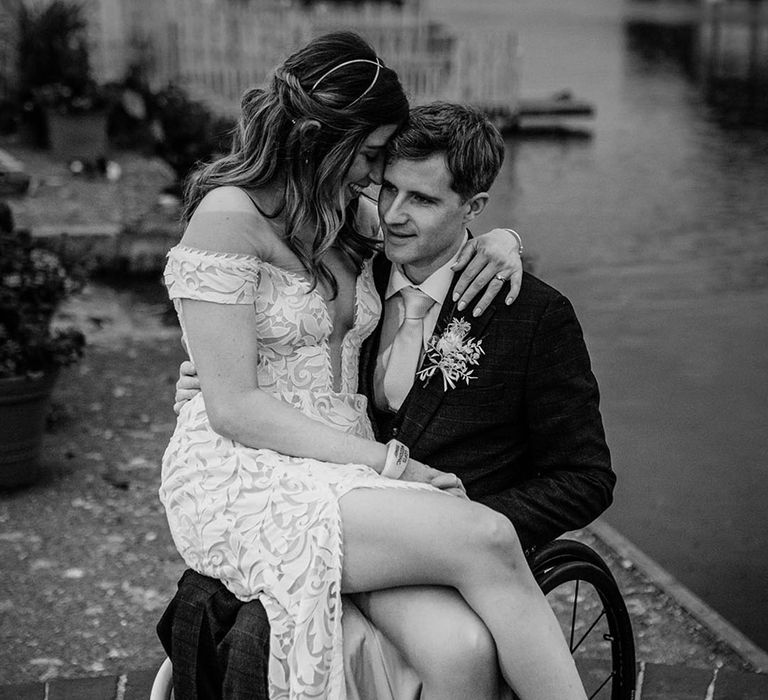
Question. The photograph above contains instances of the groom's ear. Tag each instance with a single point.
(475, 206)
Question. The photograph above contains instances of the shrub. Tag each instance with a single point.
(33, 283)
(191, 133)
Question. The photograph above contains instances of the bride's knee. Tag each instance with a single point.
(465, 657)
(494, 537)
(472, 647)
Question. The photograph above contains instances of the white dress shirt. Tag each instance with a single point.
(436, 286)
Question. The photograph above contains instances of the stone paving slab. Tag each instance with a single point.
(655, 682)
(731, 685)
(678, 682)
(138, 684)
(96, 688)
(26, 691)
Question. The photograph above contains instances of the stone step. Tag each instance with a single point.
(655, 682)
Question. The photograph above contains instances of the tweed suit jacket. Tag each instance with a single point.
(525, 436)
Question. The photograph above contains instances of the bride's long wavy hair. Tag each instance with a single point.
(306, 131)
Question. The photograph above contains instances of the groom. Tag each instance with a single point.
(524, 434)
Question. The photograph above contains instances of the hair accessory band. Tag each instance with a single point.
(376, 63)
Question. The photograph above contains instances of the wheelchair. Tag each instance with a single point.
(592, 614)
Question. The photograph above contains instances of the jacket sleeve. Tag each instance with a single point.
(567, 456)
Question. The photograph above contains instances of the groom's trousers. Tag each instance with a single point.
(219, 645)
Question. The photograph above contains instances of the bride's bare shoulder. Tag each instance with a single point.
(225, 199)
(227, 221)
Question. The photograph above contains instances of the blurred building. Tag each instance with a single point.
(217, 48)
(9, 34)
(734, 39)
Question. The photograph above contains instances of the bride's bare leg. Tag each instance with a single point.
(399, 538)
(440, 636)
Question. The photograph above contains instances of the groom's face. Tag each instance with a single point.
(422, 218)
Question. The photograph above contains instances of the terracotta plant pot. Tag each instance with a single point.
(23, 408)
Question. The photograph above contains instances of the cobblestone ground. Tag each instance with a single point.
(88, 564)
(58, 198)
(87, 561)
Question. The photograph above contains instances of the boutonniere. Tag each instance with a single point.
(452, 353)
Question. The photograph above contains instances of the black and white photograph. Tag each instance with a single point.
(383, 349)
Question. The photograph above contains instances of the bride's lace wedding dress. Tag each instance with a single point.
(266, 524)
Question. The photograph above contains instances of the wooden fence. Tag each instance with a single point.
(9, 35)
(734, 40)
(217, 48)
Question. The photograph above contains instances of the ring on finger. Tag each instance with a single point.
(500, 278)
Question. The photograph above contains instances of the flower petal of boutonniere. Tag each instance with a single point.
(453, 353)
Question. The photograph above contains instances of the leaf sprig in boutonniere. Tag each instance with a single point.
(452, 353)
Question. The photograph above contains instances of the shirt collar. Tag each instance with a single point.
(436, 285)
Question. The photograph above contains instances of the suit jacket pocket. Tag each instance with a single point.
(472, 404)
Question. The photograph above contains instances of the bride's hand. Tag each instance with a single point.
(489, 262)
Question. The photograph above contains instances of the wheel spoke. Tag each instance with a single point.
(573, 613)
(600, 633)
(602, 685)
(591, 627)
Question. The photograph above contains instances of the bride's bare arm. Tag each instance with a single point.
(222, 341)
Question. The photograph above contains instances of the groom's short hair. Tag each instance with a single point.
(473, 146)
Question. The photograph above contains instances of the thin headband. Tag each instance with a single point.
(376, 63)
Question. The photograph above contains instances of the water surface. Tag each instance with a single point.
(657, 228)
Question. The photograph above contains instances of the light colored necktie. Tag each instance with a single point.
(406, 346)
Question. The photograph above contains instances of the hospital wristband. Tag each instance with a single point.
(397, 459)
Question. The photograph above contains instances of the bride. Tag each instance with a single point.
(272, 481)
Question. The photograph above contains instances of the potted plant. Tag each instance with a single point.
(60, 95)
(33, 283)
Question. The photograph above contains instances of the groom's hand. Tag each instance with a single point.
(187, 386)
(445, 481)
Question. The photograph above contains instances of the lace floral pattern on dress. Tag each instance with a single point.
(266, 524)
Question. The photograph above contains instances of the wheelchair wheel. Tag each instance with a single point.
(593, 616)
